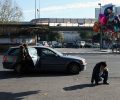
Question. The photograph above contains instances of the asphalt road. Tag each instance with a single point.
(61, 86)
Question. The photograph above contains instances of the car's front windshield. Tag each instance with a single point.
(57, 52)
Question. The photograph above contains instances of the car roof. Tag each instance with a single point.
(29, 47)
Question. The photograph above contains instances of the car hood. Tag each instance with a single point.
(73, 57)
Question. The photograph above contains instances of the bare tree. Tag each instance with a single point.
(59, 37)
(10, 12)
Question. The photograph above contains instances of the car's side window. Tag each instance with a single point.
(47, 52)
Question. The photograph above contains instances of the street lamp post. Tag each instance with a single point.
(35, 9)
(39, 8)
(100, 29)
(37, 15)
(100, 7)
(38, 11)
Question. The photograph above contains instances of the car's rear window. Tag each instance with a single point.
(13, 51)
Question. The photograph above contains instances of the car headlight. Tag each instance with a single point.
(81, 62)
(84, 61)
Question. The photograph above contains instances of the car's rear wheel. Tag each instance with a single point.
(18, 68)
(74, 68)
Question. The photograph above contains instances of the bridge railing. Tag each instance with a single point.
(64, 22)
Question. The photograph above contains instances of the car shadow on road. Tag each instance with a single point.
(7, 74)
(16, 96)
(80, 86)
(10, 74)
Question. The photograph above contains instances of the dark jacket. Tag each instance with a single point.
(20, 56)
(28, 60)
(96, 72)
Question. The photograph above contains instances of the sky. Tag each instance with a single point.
(61, 8)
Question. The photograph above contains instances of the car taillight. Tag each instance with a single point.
(5, 58)
(14, 59)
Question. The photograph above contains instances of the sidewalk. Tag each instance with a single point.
(84, 50)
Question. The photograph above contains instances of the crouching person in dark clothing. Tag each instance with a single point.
(100, 71)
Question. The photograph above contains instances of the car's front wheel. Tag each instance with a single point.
(74, 68)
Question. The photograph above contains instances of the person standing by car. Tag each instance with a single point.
(21, 55)
(100, 71)
(26, 53)
(28, 60)
(20, 60)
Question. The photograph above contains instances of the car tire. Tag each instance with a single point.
(18, 68)
(74, 69)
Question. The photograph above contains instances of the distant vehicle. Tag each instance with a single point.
(82, 43)
(57, 45)
(44, 59)
(39, 44)
(88, 45)
(96, 45)
(72, 45)
(42, 43)
(115, 47)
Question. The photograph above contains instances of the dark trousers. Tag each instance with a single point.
(29, 65)
(104, 76)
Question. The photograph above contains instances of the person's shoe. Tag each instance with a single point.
(106, 83)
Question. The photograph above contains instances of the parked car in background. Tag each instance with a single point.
(96, 45)
(115, 47)
(42, 43)
(57, 45)
(45, 58)
(72, 45)
(82, 44)
(88, 45)
(39, 44)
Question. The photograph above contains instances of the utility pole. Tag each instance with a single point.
(35, 9)
(39, 8)
(100, 29)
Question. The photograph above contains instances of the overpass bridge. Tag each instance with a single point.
(68, 24)
(70, 28)
(47, 24)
